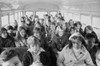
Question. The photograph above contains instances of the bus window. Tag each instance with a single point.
(4, 20)
(16, 18)
(21, 14)
(53, 13)
(96, 25)
(96, 22)
(29, 13)
(76, 17)
(19, 18)
(41, 14)
(86, 19)
(70, 15)
(11, 19)
(66, 17)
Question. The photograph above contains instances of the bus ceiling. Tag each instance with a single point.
(78, 6)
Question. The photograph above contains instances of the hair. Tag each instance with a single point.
(33, 40)
(78, 37)
(72, 28)
(38, 24)
(90, 36)
(9, 28)
(8, 54)
(30, 22)
(89, 27)
(18, 36)
(78, 23)
(37, 29)
(3, 30)
(70, 21)
(23, 19)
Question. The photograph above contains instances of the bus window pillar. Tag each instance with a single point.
(8, 18)
(14, 15)
(23, 13)
(0, 19)
(34, 13)
(91, 19)
(73, 16)
(48, 12)
(18, 16)
(80, 17)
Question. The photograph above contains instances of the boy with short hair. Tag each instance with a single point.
(35, 54)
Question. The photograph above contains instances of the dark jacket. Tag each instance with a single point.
(97, 40)
(92, 52)
(44, 59)
(81, 31)
(59, 42)
(6, 42)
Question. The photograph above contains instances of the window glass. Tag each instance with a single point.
(4, 20)
(53, 13)
(21, 14)
(16, 16)
(96, 22)
(29, 13)
(70, 15)
(86, 19)
(11, 19)
(41, 14)
(76, 17)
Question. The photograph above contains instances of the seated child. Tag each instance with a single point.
(35, 55)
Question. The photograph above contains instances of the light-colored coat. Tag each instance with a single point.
(67, 58)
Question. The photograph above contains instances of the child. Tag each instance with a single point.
(10, 57)
(35, 55)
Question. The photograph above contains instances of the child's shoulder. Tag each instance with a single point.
(27, 53)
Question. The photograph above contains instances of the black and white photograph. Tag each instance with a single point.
(49, 32)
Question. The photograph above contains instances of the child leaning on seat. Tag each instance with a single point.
(10, 57)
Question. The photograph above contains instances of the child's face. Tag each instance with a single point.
(72, 31)
(22, 33)
(78, 27)
(10, 31)
(88, 31)
(37, 34)
(60, 33)
(76, 44)
(91, 41)
(13, 62)
(34, 48)
(4, 34)
(36, 19)
(71, 23)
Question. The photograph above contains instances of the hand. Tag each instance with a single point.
(80, 63)
(36, 64)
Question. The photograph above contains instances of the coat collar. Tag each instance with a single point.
(80, 56)
(41, 50)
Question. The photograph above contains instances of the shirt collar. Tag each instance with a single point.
(41, 50)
